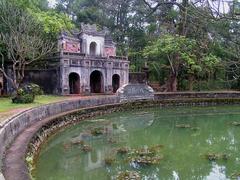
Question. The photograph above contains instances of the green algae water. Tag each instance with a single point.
(188, 137)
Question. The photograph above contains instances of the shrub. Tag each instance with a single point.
(27, 93)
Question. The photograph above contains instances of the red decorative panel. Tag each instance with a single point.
(69, 46)
(110, 51)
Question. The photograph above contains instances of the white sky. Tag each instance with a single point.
(52, 2)
(223, 5)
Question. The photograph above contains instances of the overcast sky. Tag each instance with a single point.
(224, 8)
(52, 2)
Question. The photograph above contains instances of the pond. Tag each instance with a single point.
(155, 143)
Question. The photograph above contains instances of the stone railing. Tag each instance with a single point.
(206, 94)
(85, 56)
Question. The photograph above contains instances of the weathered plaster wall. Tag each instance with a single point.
(86, 66)
(40, 77)
(99, 40)
(69, 44)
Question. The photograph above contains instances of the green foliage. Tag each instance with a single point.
(27, 93)
(53, 22)
(189, 40)
(31, 4)
(180, 55)
(23, 99)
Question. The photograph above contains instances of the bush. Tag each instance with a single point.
(27, 93)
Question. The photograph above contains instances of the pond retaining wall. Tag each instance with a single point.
(184, 95)
(11, 128)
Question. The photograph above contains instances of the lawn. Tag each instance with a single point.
(6, 104)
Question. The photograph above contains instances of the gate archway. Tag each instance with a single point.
(74, 83)
(96, 82)
(115, 82)
(93, 49)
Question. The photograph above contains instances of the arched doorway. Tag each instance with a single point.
(93, 49)
(74, 83)
(115, 82)
(96, 82)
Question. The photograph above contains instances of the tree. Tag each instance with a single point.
(180, 54)
(52, 22)
(31, 4)
(24, 40)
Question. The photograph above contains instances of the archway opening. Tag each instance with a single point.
(93, 48)
(96, 82)
(115, 82)
(74, 83)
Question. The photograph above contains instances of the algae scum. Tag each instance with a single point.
(169, 143)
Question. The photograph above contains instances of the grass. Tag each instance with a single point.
(6, 104)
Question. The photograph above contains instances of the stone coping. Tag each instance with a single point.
(13, 129)
(204, 94)
(197, 92)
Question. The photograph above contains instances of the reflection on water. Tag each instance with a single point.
(217, 172)
(91, 165)
(207, 130)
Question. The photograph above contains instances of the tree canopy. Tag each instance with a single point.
(182, 42)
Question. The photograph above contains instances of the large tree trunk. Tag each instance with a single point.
(190, 82)
(172, 83)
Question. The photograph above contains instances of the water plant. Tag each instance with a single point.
(156, 148)
(66, 146)
(147, 160)
(187, 126)
(123, 150)
(78, 142)
(128, 175)
(97, 131)
(146, 155)
(235, 175)
(114, 125)
(31, 165)
(235, 123)
(109, 160)
(148, 150)
(112, 140)
(86, 148)
(195, 128)
(216, 156)
(183, 126)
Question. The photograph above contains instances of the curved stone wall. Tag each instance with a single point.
(11, 128)
(40, 115)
